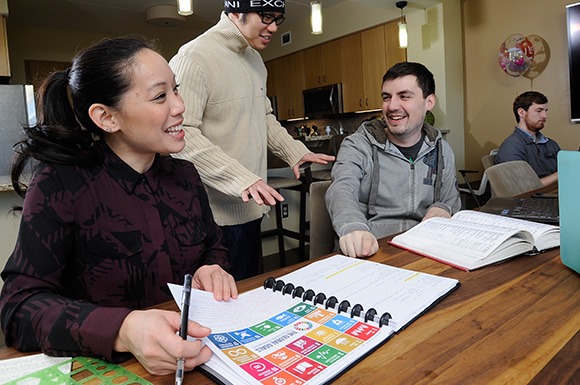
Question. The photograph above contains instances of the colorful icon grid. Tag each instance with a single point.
(316, 340)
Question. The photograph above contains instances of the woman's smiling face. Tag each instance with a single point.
(149, 116)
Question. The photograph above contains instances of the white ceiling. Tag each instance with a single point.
(121, 17)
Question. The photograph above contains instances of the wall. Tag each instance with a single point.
(489, 92)
(26, 43)
(435, 39)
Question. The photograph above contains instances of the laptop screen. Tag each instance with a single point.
(568, 194)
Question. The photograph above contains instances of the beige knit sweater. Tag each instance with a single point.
(228, 119)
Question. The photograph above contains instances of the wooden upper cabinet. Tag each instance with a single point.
(379, 50)
(322, 64)
(286, 80)
(394, 53)
(353, 92)
(4, 61)
(374, 65)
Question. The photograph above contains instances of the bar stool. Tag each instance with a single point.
(302, 186)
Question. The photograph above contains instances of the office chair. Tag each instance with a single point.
(321, 231)
(512, 178)
(488, 160)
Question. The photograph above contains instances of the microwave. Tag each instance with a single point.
(321, 101)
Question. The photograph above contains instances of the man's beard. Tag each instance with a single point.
(534, 126)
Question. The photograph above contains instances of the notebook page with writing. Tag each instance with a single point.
(266, 335)
(400, 292)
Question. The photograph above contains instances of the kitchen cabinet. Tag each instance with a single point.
(374, 65)
(4, 62)
(286, 82)
(322, 64)
(366, 56)
(394, 53)
(352, 73)
(364, 64)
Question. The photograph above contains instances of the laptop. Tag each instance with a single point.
(543, 208)
(568, 188)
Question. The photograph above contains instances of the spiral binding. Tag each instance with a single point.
(330, 302)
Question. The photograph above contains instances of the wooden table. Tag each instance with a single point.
(512, 323)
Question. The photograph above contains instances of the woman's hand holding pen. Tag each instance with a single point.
(214, 279)
(151, 336)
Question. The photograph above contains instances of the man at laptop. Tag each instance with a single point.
(527, 143)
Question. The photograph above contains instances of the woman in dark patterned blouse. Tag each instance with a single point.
(108, 220)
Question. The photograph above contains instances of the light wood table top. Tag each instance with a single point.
(513, 323)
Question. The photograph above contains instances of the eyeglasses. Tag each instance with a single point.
(268, 18)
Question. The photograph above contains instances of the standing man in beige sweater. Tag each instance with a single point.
(230, 126)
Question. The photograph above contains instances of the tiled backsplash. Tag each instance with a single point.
(348, 122)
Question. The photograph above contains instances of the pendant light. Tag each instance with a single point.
(403, 37)
(185, 7)
(316, 17)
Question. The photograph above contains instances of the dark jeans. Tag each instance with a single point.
(245, 248)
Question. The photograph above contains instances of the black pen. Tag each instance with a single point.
(185, 299)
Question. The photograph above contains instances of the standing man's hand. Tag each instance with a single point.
(312, 158)
(262, 194)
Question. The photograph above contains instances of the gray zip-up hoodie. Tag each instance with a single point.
(375, 188)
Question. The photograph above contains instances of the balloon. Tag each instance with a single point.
(541, 56)
(528, 48)
(512, 58)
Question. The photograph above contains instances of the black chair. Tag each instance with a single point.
(480, 190)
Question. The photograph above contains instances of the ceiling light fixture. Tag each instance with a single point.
(316, 17)
(185, 7)
(164, 16)
(403, 37)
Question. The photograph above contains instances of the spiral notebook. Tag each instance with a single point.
(311, 325)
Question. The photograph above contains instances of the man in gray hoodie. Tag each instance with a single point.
(393, 172)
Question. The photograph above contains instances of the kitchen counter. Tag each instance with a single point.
(317, 138)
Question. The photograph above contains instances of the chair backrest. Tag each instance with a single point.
(512, 178)
(321, 231)
(488, 161)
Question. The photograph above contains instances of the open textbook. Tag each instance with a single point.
(472, 239)
(311, 325)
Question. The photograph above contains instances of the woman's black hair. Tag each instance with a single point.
(65, 133)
